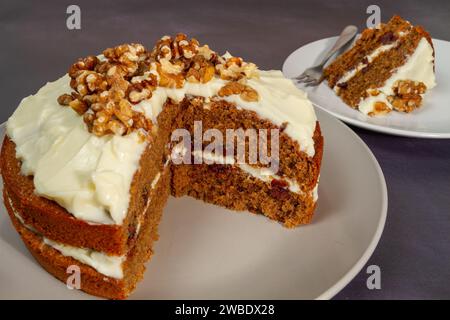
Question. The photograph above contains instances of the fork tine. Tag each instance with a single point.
(306, 80)
(301, 77)
(311, 83)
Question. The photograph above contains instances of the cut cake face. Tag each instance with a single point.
(390, 67)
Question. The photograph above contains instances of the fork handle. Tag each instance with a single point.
(345, 37)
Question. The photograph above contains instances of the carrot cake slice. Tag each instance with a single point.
(390, 67)
(90, 160)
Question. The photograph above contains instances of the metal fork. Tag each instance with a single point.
(314, 75)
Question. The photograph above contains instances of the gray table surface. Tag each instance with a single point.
(414, 251)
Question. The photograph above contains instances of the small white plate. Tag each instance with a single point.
(208, 252)
(432, 120)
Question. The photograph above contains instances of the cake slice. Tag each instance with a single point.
(390, 67)
(89, 161)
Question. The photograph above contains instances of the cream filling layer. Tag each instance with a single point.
(108, 265)
(418, 67)
(264, 174)
(153, 185)
(352, 72)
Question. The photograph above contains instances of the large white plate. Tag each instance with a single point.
(208, 252)
(432, 120)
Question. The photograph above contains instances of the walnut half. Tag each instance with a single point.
(246, 92)
(379, 108)
(407, 95)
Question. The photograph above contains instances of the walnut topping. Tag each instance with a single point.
(87, 82)
(234, 68)
(141, 89)
(408, 87)
(65, 99)
(201, 70)
(112, 114)
(184, 47)
(405, 104)
(105, 89)
(407, 95)
(172, 49)
(176, 67)
(197, 60)
(179, 59)
(246, 92)
(169, 80)
(79, 106)
(127, 56)
(206, 52)
(88, 63)
(379, 108)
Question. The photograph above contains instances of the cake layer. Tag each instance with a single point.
(235, 189)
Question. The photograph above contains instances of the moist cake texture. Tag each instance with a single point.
(390, 67)
(89, 161)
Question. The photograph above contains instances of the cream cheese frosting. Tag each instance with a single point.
(90, 176)
(87, 175)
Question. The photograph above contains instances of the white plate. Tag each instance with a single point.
(207, 252)
(432, 120)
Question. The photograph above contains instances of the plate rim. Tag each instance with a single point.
(357, 267)
(370, 126)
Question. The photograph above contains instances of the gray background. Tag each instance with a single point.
(414, 251)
